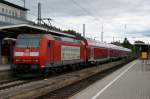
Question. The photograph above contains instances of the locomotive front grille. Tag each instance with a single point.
(26, 68)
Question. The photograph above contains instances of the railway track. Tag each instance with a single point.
(7, 81)
(15, 82)
(5, 75)
(35, 89)
(68, 91)
(11, 84)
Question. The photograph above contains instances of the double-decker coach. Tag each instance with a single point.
(117, 52)
(98, 52)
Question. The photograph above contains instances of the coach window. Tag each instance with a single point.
(13, 14)
(9, 12)
(3, 10)
(49, 44)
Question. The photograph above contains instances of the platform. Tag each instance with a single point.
(130, 82)
(4, 67)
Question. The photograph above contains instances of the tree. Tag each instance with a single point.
(126, 43)
(117, 43)
(138, 41)
(72, 32)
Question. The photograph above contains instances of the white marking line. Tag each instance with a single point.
(102, 90)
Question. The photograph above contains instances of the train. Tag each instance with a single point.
(40, 53)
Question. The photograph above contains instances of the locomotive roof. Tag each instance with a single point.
(96, 43)
(30, 36)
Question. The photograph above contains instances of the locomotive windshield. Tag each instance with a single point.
(28, 43)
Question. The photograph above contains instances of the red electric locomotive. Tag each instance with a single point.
(40, 52)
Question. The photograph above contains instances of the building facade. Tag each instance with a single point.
(12, 14)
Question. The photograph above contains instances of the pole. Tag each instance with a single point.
(0, 50)
(83, 30)
(24, 3)
(39, 13)
(102, 33)
(125, 29)
(113, 39)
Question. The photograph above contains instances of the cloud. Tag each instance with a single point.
(113, 14)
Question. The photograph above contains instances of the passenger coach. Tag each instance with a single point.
(98, 52)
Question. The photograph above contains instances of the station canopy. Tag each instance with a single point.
(28, 29)
(143, 47)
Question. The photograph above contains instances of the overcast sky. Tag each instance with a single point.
(120, 18)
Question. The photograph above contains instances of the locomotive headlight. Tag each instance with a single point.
(34, 53)
(35, 60)
(17, 60)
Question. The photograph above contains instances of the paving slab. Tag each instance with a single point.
(130, 82)
(4, 67)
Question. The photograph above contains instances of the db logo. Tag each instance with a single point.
(27, 50)
(26, 53)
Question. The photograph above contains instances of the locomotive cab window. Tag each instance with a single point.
(28, 43)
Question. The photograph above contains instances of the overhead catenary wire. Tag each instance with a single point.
(96, 18)
(85, 10)
(24, 3)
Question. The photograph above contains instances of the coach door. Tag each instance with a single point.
(48, 51)
(92, 54)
